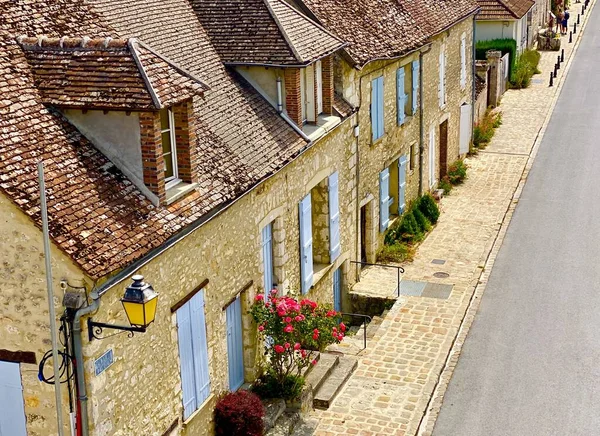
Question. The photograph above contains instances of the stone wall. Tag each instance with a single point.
(227, 252)
(24, 313)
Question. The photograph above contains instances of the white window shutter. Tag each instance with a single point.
(415, 86)
(310, 94)
(400, 95)
(200, 347)
(267, 251)
(432, 171)
(465, 128)
(319, 80)
(384, 199)
(402, 164)
(463, 61)
(306, 254)
(374, 110)
(381, 106)
(334, 218)
(12, 418)
(186, 359)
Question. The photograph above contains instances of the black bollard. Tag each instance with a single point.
(570, 37)
(577, 18)
(574, 29)
(555, 69)
(562, 55)
(558, 62)
(551, 79)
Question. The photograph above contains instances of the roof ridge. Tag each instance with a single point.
(282, 31)
(83, 42)
(507, 7)
(131, 44)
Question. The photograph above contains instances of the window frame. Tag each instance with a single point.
(174, 179)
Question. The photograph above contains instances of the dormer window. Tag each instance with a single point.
(169, 147)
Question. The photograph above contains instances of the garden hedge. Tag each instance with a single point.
(505, 45)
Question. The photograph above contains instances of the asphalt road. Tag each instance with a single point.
(531, 363)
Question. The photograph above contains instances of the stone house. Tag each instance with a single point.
(515, 19)
(165, 158)
(410, 73)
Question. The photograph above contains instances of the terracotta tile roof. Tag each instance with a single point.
(263, 32)
(504, 9)
(385, 29)
(342, 107)
(97, 216)
(105, 73)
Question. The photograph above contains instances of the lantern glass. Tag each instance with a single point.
(140, 303)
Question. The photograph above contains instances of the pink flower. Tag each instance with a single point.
(261, 328)
(287, 345)
(340, 337)
(303, 353)
(315, 336)
(281, 312)
(259, 297)
(314, 362)
(288, 328)
(335, 330)
(288, 319)
(342, 327)
(316, 331)
(330, 313)
(273, 292)
(299, 318)
(279, 349)
(297, 346)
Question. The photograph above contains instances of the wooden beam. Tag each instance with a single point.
(189, 296)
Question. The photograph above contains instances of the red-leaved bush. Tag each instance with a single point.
(239, 413)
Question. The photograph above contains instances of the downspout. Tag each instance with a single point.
(358, 228)
(79, 373)
(474, 71)
(421, 125)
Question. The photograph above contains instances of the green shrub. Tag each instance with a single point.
(269, 387)
(521, 77)
(396, 252)
(392, 235)
(429, 208)
(496, 119)
(457, 172)
(484, 130)
(445, 185)
(532, 57)
(422, 221)
(506, 45)
(409, 229)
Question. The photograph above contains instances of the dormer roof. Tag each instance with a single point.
(504, 9)
(264, 32)
(105, 73)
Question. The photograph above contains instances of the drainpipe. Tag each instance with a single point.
(79, 373)
(279, 95)
(421, 125)
(474, 71)
(356, 132)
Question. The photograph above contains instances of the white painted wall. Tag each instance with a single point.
(117, 136)
(486, 30)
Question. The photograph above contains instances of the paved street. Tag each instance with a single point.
(531, 363)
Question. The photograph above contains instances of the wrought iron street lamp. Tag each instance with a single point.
(139, 302)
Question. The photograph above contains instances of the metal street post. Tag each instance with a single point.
(55, 364)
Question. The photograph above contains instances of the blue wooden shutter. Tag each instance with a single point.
(415, 86)
(374, 110)
(334, 218)
(384, 199)
(380, 112)
(12, 417)
(306, 254)
(235, 346)
(186, 358)
(400, 96)
(402, 184)
(337, 290)
(200, 347)
(267, 250)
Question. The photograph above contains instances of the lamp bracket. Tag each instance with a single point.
(96, 328)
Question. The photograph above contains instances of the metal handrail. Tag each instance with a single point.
(366, 317)
(399, 269)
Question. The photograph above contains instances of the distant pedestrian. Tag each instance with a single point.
(559, 22)
(565, 22)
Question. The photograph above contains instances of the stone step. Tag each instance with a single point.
(308, 369)
(373, 326)
(321, 370)
(273, 410)
(284, 425)
(336, 380)
(305, 427)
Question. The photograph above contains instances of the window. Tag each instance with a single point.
(167, 131)
(319, 229)
(392, 192)
(463, 61)
(411, 156)
(12, 418)
(193, 354)
(377, 115)
(267, 251)
(319, 80)
(442, 78)
(407, 88)
(402, 99)
(415, 86)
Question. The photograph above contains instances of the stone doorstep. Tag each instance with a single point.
(336, 380)
(273, 410)
(284, 426)
(305, 427)
(322, 370)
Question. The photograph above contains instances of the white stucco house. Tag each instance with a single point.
(507, 19)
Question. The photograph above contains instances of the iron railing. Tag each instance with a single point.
(399, 270)
(367, 320)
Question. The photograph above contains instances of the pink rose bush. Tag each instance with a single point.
(295, 330)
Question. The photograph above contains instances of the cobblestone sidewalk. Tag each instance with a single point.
(392, 389)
